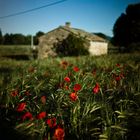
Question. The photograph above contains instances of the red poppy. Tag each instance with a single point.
(118, 78)
(67, 87)
(96, 88)
(27, 115)
(43, 99)
(41, 115)
(51, 122)
(77, 87)
(27, 93)
(94, 72)
(31, 69)
(64, 64)
(76, 69)
(122, 75)
(21, 107)
(67, 79)
(14, 93)
(73, 96)
(118, 65)
(59, 133)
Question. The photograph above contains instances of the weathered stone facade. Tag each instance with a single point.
(46, 48)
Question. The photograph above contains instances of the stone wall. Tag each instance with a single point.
(98, 48)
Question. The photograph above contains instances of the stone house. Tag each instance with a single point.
(97, 45)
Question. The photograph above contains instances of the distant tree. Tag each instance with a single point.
(38, 34)
(18, 39)
(72, 46)
(126, 30)
(14, 39)
(1, 37)
(7, 39)
(104, 36)
(27, 40)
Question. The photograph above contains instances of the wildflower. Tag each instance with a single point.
(64, 64)
(43, 99)
(41, 115)
(73, 96)
(118, 78)
(51, 122)
(67, 79)
(27, 115)
(14, 93)
(77, 87)
(96, 88)
(94, 72)
(67, 87)
(21, 107)
(59, 133)
(76, 69)
(122, 75)
(118, 65)
(27, 93)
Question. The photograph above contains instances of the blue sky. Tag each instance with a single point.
(89, 15)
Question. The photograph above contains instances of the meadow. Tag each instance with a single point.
(71, 98)
(16, 51)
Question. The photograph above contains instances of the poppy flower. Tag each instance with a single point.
(27, 93)
(51, 122)
(73, 96)
(118, 65)
(76, 69)
(77, 87)
(41, 115)
(122, 75)
(14, 93)
(94, 72)
(27, 115)
(43, 99)
(118, 78)
(67, 79)
(59, 133)
(67, 87)
(96, 88)
(64, 64)
(21, 107)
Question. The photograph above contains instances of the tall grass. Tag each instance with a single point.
(82, 98)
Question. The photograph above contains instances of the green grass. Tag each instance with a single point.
(19, 52)
(14, 49)
(110, 114)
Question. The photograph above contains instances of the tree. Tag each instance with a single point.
(1, 37)
(72, 46)
(27, 40)
(126, 30)
(18, 39)
(7, 39)
(38, 34)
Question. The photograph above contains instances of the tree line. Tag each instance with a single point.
(19, 39)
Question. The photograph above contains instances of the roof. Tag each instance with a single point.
(63, 31)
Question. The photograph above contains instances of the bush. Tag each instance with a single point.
(72, 46)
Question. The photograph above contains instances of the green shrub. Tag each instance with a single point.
(72, 46)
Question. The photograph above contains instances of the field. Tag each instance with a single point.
(15, 51)
(71, 98)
